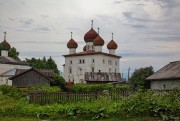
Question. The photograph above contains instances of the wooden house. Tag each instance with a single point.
(30, 77)
(167, 78)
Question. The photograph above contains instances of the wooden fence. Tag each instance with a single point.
(66, 97)
(43, 98)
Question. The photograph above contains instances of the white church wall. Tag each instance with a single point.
(78, 65)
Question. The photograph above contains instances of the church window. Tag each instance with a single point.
(70, 70)
(80, 71)
(99, 71)
(81, 61)
(103, 61)
(92, 60)
(92, 69)
(109, 62)
(92, 47)
(70, 62)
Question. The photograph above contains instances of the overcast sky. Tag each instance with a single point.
(147, 31)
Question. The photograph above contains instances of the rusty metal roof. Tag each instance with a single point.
(170, 71)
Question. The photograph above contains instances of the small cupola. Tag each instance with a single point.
(72, 45)
(112, 46)
(98, 43)
(4, 46)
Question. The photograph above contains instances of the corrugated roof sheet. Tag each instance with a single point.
(170, 71)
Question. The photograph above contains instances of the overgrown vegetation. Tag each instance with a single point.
(153, 104)
(97, 87)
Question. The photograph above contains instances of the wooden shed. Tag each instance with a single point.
(30, 77)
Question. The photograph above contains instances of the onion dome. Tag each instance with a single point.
(112, 45)
(72, 43)
(4, 44)
(98, 41)
(84, 48)
(91, 34)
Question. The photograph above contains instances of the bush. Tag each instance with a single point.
(165, 105)
(11, 91)
(44, 88)
(96, 87)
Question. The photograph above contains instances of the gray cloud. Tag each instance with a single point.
(26, 21)
(41, 29)
(152, 55)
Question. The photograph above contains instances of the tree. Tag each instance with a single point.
(43, 63)
(58, 81)
(13, 53)
(137, 79)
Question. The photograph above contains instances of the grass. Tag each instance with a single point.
(31, 119)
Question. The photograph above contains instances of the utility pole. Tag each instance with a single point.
(122, 75)
(128, 73)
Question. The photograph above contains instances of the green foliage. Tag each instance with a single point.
(58, 81)
(11, 91)
(165, 105)
(43, 63)
(45, 88)
(96, 87)
(13, 53)
(137, 79)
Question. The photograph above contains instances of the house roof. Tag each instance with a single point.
(170, 71)
(91, 52)
(26, 71)
(48, 72)
(9, 60)
(9, 72)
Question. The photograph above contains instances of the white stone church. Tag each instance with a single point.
(92, 65)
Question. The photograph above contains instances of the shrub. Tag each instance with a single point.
(11, 91)
(45, 88)
(96, 87)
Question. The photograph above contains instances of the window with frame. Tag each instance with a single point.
(110, 62)
(81, 61)
(103, 61)
(70, 70)
(93, 61)
(70, 61)
(116, 63)
(93, 69)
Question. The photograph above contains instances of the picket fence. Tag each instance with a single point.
(43, 98)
